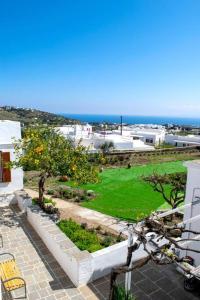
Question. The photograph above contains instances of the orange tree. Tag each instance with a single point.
(44, 149)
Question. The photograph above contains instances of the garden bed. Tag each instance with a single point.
(90, 239)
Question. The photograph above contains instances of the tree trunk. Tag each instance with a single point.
(41, 188)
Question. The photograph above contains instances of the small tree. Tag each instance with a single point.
(44, 149)
(171, 186)
(107, 147)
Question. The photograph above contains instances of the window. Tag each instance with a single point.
(149, 141)
(5, 172)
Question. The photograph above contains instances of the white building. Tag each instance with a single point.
(182, 141)
(76, 132)
(10, 180)
(149, 136)
(93, 141)
(120, 142)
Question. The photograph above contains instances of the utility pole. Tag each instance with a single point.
(121, 123)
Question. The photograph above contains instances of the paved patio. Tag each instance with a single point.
(46, 280)
(44, 277)
(150, 282)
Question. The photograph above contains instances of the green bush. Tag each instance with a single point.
(49, 201)
(82, 238)
(120, 294)
(48, 205)
(107, 241)
(50, 192)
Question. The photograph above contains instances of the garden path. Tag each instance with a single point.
(85, 215)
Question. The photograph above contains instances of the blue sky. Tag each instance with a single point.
(137, 57)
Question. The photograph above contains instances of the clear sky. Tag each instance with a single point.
(137, 57)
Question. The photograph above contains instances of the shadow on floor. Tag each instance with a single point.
(43, 274)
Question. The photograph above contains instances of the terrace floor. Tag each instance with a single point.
(46, 280)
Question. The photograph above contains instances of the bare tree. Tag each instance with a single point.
(147, 231)
(171, 187)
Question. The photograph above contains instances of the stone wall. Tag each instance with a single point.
(137, 157)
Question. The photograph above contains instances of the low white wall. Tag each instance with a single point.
(64, 251)
(23, 200)
(104, 260)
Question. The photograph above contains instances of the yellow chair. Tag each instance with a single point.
(10, 274)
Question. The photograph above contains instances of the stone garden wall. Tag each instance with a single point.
(121, 158)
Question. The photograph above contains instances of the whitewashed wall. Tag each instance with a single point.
(180, 140)
(192, 196)
(10, 130)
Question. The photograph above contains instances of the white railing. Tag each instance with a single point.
(172, 211)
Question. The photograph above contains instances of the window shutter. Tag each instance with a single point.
(6, 168)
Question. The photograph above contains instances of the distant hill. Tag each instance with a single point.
(30, 116)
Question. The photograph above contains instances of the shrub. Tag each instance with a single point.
(48, 205)
(49, 201)
(64, 178)
(90, 193)
(81, 237)
(120, 294)
(107, 241)
(50, 192)
(119, 238)
(83, 198)
(65, 192)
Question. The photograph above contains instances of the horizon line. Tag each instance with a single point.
(128, 115)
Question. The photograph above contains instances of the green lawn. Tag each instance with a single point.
(122, 193)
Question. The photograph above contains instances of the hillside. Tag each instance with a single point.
(31, 116)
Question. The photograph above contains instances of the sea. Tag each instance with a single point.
(127, 119)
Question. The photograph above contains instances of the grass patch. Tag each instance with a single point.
(122, 193)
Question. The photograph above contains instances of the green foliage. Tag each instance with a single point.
(107, 241)
(107, 147)
(48, 205)
(120, 294)
(164, 146)
(92, 239)
(33, 116)
(50, 192)
(45, 150)
(82, 238)
(49, 201)
(72, 194)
